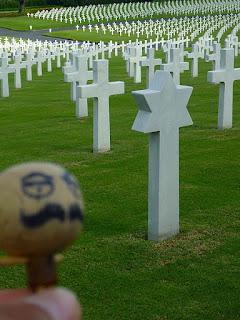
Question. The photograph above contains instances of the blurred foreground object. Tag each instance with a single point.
(41, 213)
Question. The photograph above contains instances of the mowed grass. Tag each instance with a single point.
(114, 271)
(23, 23)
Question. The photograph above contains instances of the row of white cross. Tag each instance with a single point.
(169, 28)
(28, 53)
(15, 63)
(175, 53)
(124, 11)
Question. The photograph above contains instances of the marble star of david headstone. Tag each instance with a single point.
(150, 63)
(175, 66)
(162, 111)
(226, 76)
(101, 90)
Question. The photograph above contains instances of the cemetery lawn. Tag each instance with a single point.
(114, 271)
(23, 23)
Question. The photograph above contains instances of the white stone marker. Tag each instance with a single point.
(101, 90)
(40, 60)
(29, 63)
(5, 69)
(49, 60)
(129, 65)
(215, 56)
(81, 77)
(17, 66)
(135, 60)
(175, 66)
(150, 63)
(195, 55)
(162, 111)
(226, 76)
(71, 67)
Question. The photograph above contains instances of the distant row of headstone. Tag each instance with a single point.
(164, 28)
(133, 10)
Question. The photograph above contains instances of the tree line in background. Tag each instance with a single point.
(21, 4)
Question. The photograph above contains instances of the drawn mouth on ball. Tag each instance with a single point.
(51, 212)
(47, 213)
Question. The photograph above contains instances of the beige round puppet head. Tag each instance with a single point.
(41, 209)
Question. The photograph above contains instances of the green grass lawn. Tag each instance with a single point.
(23, 23)
(115, 272)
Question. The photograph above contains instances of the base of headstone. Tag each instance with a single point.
(73, 91)
(101, 126)
(81, 108)
(162, 237)
(225, 108)
(163, 185)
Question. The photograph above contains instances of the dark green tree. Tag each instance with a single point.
(21, 5)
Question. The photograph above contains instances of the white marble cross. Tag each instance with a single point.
(226, 76)
(101, 90)
(135, 60)
(129, 65)
(58, 55)
(80, 76)
(162, 111)
(29, 63)
(195, 55)
(49, 57)
(175, 66)
(69, 68)
(5, 69)
(215, 56)
(39, 59)
(150, 63)
(17, 66)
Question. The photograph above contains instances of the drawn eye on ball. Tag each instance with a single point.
(37, 185)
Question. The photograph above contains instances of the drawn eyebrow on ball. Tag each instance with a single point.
(37, 219)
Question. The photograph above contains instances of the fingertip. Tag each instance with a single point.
(10, 295)
(58, 303)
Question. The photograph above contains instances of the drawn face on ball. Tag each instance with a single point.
(41, 209)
